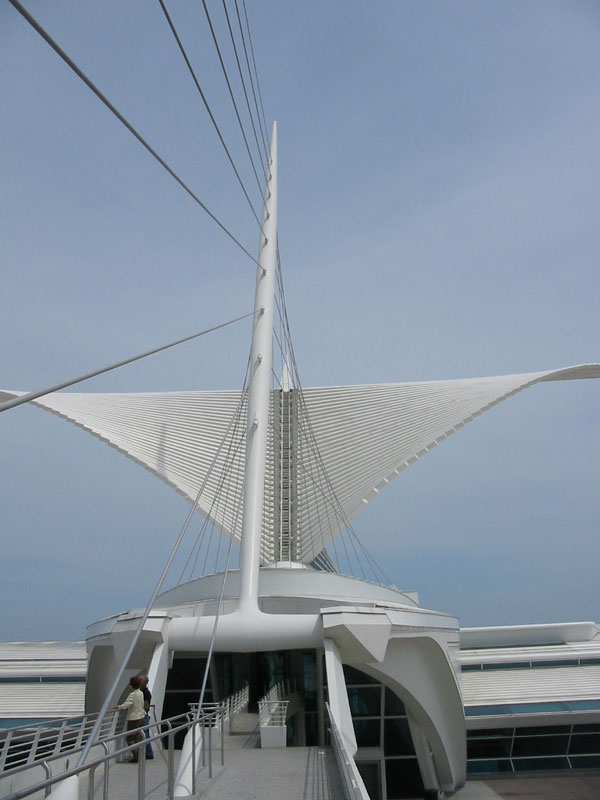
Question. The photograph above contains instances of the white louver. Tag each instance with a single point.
(365, 436)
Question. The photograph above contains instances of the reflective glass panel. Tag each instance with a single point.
(524, 764)
(403, 778)
(498, 747)
(365, 701)
(353, 676)
(367, 732)
(397, 739)
(489, 765)
(540, 746)
(394, 707)
(585, 762)
(585, 743)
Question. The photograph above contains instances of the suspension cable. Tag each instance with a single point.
(26, 398)
(262, 133)
(237, 113)
(311, 442)
(60, 52)
(239, 66)
(262, 108)
(208, 109)
(135, 638)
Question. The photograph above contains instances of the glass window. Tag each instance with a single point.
(489, 732)
(584, 762)
(397, 740)
(508, 665)
(365, 701)
(394, 707)
(471, 668)
(498, 747)
(585, 705)
(589, 660)
(403, 778)
(186, 673)
(523, 764)
(585, 743)
(590, 727)
(534, 708)
(371, 776)
(570, 663)
(489, 765)
(482, 711)
(540, 746)
(367, 732)
(353, 676)
(542, 730)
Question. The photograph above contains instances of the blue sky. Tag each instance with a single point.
(439, 194)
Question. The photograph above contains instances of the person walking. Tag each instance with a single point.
(134, 705)
(147, 701)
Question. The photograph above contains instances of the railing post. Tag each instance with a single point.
(222, 738)
(171, 763)
(33, 746)
(210, 749)
(5, 749)
(59, 738)
(48, 772)
(142, 769)
(106, 749)
(193, 757)
(91, 776)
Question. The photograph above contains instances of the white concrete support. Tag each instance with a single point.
(424, 754)
(259, 391)
(67, 789)
(338, 695)
(184, 777)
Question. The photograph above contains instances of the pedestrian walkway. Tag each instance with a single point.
(249, 773)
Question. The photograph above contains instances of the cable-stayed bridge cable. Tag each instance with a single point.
(80, 74)
(262, 108)
(208, 108)
(26, 398)
(263, 133)
(241, 74)
(228, 82)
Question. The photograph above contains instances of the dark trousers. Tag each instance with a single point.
(149, 753)
(134, 735)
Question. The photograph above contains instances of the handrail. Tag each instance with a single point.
(29, 744)
(184, 720)
(355, 787)
(272, 712)
(112, 745)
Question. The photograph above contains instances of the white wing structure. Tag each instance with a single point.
(347, 442)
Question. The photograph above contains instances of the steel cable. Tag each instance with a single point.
(80, 74)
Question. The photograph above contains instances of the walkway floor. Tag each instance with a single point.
(311, 773)
(250, 773)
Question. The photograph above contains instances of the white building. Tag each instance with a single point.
(281, 473)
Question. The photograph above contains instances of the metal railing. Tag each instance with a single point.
(110, 749)
(355, 787)
(29, 744)
(272, 709)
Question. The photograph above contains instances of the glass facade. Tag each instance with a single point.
(390, 770)
(550, 747)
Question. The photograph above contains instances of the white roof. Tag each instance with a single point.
(41, 700)
(43, 659)
(365, 435)
(547, 684)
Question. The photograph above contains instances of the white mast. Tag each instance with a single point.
(259, 392)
